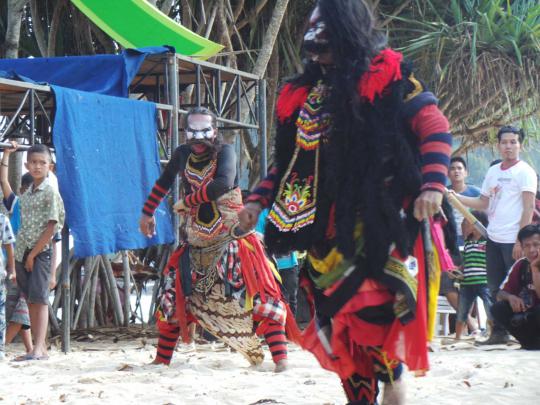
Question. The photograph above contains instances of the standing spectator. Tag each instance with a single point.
(7, 271)
(508, 194)
(518, 306)
(474, 283)
(42, 214)
(17, 316)
(457, 174)
(287, 266)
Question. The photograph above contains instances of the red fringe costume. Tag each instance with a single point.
(370, 308)
(214, 277)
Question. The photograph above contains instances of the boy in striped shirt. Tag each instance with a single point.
(474, 283)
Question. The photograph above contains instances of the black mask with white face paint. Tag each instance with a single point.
(315, 39)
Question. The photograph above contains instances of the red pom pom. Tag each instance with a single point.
(385, 68)
(289, 100)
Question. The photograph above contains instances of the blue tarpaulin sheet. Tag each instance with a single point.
(107, 162)
(104, 74)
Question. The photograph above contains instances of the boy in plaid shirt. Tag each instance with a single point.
(42, 215)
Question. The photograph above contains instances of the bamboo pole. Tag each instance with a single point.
(115, 296)
(452, 199)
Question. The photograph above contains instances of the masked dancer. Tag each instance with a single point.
(361, 157)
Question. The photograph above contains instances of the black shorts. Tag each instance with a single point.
(35, 284)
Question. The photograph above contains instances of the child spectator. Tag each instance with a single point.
(17, 316)
(474, 283)
(7, 271)
(42, 214)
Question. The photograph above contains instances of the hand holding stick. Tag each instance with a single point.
(452, 199)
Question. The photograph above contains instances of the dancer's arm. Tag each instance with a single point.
(433, 133)
(147, 222)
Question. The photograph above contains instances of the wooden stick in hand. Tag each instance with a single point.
(466, 214)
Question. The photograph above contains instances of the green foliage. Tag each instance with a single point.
(481, 57)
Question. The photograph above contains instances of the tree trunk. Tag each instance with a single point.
(166, 6)
(270, 37)
(38, 28)
(15, 9)
(260, 68)
(55, 26)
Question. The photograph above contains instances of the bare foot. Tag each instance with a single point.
(281, 366)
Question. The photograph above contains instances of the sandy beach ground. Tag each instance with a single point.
(108, 372)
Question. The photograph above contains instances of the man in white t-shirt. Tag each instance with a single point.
(507, 194)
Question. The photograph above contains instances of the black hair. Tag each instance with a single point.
(26, 180)
(354, 172)
(39, 148)
(527, 231)
(202, 111)
(495, 162)
(512, 130)
(460, 160)
(481, 216)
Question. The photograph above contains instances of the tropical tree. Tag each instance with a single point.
(481, 58)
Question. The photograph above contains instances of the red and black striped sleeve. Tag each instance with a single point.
(265, 189)
(433, 132)
(164, 182)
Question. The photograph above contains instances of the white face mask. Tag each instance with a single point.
(199, 127)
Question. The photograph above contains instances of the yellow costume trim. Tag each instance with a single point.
(417, 88)
(434, 281)
(328, 263)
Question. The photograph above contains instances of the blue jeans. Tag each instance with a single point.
(467, 296)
